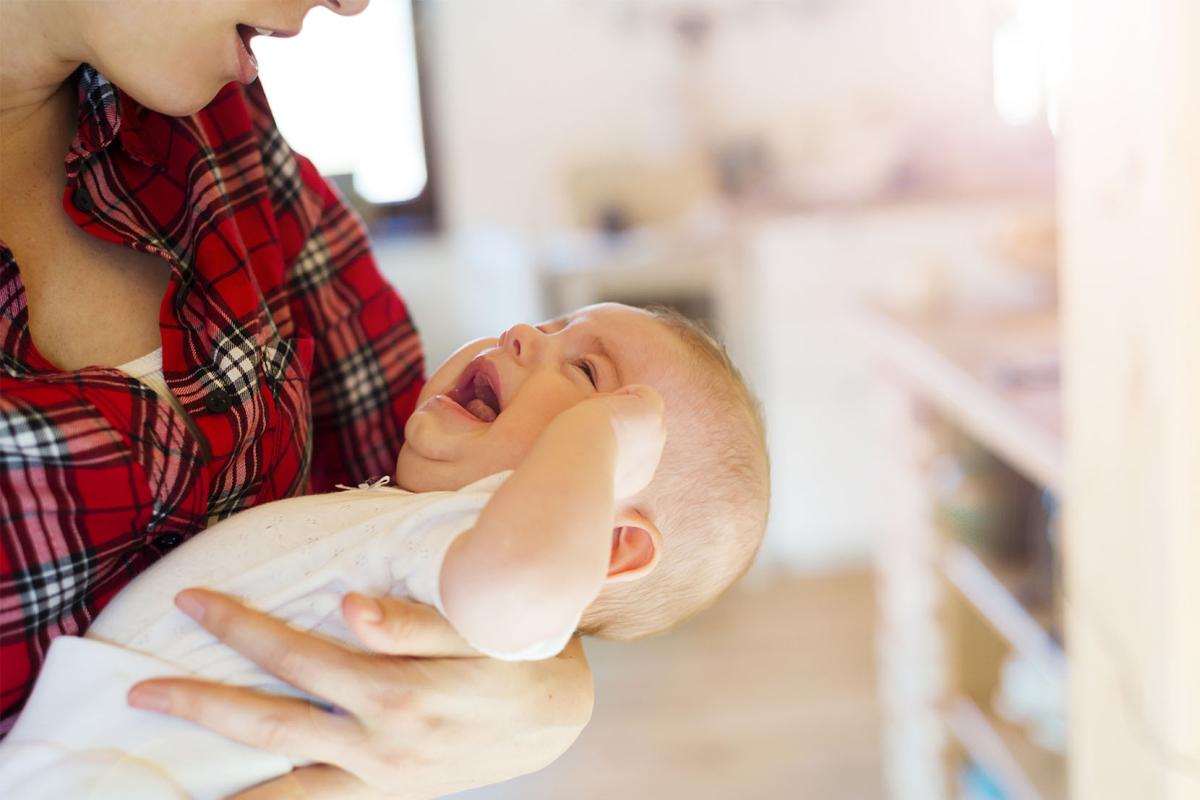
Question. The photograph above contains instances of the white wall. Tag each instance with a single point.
(523, 89)
(526, 90)
(461, 287)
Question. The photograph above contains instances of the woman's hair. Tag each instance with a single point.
(709, 496)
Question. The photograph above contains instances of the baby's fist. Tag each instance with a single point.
(636, 413)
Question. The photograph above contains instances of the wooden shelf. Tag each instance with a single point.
(1026, 771)
(993, 374)
(995, 602)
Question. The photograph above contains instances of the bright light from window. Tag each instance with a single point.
(345, 94)
(1030, 62)
(1016, 74)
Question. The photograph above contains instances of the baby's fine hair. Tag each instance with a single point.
(709, 496)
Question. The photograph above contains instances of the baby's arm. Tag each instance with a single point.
(539, 553)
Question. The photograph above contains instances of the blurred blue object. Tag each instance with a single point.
(976, 783)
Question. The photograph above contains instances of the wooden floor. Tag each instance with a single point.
(769, 695)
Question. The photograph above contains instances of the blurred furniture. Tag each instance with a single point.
(617, 196)
(690, 272)
(971, 661)
(1126, 466)
(803, 279)
(971, 669)
(970, 676)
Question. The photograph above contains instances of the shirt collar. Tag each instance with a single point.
(106, 114)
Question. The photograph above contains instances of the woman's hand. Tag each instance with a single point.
(424, 714)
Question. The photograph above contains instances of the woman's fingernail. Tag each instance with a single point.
(369, 610)
(190, 605)
(150, 698)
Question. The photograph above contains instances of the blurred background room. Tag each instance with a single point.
(865, 200)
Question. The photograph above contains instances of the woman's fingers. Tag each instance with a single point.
(429, 726)
(286, 725)
(304, 660)
(402, 628)
(318, 782)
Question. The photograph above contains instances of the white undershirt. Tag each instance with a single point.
(149, 370)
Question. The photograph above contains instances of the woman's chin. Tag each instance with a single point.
(181, 97)
(184, 105)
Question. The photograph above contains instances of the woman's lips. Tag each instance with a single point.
(247, 64)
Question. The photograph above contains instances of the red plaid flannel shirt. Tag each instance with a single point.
(295, 361)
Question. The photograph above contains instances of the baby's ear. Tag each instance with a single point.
(636, 545)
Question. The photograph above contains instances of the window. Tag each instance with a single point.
(346, 93)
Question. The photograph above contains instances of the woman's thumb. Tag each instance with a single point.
(402, 627)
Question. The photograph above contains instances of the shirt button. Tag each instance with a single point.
(167, 541)
(218, 401)
(83, 200)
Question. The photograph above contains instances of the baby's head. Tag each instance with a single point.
(484, 408)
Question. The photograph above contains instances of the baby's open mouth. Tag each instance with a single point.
(477, 392)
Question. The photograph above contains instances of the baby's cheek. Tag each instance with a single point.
(534, 418)
(513, 443)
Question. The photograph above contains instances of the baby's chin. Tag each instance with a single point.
(408, 475)
(397, 473)
(417, 474)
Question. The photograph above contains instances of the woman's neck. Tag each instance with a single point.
(39, 48)
(37, 111)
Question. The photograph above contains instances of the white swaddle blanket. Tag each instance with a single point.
(295, 559)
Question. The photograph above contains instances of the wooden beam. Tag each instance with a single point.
(1130, 191)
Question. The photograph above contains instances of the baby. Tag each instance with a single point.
(602, 473)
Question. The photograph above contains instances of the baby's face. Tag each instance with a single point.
(483, 409)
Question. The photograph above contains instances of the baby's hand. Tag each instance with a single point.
(636, 415)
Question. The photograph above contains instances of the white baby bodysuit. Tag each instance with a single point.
(294, 559)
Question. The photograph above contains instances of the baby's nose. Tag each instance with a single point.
(523, 341)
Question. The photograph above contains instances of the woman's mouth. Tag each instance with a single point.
(247, 63)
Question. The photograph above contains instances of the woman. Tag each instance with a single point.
(155, 224)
